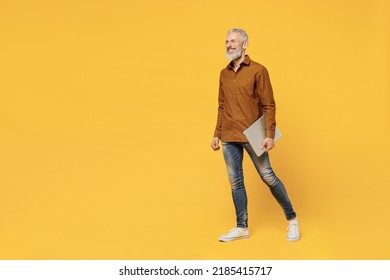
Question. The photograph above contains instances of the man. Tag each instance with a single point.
(245, 94)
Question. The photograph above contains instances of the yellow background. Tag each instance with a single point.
(108, 109)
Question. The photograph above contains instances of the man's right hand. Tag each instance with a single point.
(215, 144)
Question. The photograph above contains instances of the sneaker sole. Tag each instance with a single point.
(233, 239)
(293, 239)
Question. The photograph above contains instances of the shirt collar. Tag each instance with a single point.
(246, 61)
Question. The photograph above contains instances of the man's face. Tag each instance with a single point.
(234, 45)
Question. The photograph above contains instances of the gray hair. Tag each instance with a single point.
(242, 32)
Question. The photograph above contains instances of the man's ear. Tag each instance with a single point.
(245, 45)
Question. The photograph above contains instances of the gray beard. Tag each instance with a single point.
(235, 55)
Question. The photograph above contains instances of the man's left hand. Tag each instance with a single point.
(267, 144)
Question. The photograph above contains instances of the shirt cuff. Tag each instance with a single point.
(271, 134)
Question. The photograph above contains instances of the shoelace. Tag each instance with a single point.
(292, 228)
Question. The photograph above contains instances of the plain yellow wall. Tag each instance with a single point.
(107, 111)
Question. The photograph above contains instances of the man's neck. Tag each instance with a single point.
(238, 61)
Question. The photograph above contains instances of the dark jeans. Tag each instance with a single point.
(233, 153)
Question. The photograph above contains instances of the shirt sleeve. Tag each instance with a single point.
(267, 102)
(218, 127)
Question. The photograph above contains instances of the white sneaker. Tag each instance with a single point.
(293, 231)
(235, 234)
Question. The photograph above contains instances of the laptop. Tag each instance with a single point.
(256, 134)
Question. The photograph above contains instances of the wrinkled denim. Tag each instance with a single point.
(233, 153)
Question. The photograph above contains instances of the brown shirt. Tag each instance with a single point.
(243, 98)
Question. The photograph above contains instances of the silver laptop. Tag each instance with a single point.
(256, 134)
